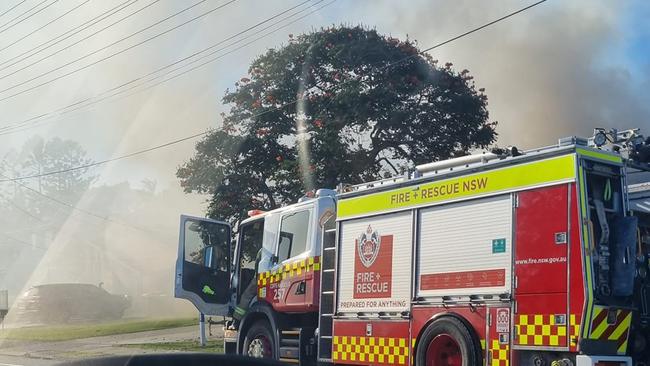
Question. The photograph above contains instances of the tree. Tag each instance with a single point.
(338, 105)
(38, 156)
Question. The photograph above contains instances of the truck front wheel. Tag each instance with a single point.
(259, 341)
(447, 342)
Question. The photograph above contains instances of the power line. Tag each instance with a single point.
(56, 200)
(103, 58)
(386, 66)
(86, 166)
(481, 27)
(27, 17)
(68, 46)
(75, 30)
(297, 99)
(22, 241)
(98, 50)
(17, 126)
(75, 208)
(12, 8)
(21, 209)
(20, 15)
(44, 25)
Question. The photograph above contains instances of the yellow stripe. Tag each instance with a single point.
(546, 171)
(586, 251)
(288, 270)
(600, 329)
(600, 155)
(623, 327)
(622, 348)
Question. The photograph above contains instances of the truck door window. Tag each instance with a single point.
(293, 235)
(251, 244)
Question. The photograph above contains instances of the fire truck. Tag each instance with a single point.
(502, 258)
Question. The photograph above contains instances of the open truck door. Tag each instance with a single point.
(203, 265)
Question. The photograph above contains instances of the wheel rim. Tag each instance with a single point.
(443, 350)
(259, 347)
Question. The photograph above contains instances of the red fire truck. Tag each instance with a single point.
(503, 258)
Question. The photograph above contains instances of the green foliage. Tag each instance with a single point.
(360, 114)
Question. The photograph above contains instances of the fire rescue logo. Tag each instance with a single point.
(368, 247)
(373, 265)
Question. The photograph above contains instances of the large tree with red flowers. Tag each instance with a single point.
(338, 105)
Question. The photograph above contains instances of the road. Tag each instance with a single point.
(20, 353)
(24, 361)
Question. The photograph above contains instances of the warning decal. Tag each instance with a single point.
(503, 320)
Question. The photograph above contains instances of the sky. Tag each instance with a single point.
(558, 69)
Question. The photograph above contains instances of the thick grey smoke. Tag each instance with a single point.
(559, 69)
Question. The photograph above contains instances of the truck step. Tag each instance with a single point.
(290, 342)
(290, 352)
(289, 360)
(292, 332)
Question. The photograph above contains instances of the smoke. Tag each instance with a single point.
(131, 252)
(555, 70)
(558, 69)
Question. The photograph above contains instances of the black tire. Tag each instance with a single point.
(535, 359)
(259, 341)
(455, 329)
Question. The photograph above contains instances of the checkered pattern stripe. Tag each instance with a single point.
(500, 353)
(575, 330)
(289, 270)
(375, 350)
(539, 330)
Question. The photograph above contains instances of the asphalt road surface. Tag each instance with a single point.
(24, 361)
(39, 353)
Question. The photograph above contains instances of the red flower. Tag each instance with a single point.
(318, 123)
(279, 158)
(262, 132)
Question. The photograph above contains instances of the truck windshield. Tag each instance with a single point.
(293, 235)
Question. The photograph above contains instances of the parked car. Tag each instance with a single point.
(68, 303)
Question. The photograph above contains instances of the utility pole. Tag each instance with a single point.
(202, 329)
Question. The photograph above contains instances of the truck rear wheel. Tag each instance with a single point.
(447, 342)
(259, 341)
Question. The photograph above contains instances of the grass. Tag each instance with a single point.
(67, 332)
(212, 346)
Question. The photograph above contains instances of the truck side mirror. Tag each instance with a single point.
(210, 257)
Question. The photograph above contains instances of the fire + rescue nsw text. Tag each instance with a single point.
(440, 190)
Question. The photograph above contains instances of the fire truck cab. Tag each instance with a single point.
(507, 258)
